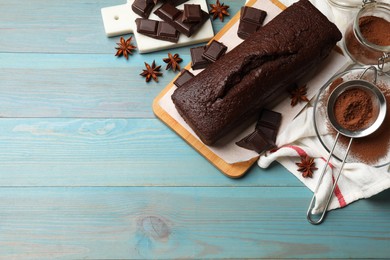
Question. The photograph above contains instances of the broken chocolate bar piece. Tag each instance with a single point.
(245, 29)
(157, 29)
(146, 26)
(268, 132)
(198, 62)
(214, 51)
(268, 123)
(168, 11)
(251, 20)
(174, 17)
(192, 13)
(184, 76)
(257, 142)
(143, 7)
(253, 15)
(269, 118)
(264, 136)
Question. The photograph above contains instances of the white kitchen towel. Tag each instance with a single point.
(357, 180)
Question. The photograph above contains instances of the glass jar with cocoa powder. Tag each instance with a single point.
(367, 38)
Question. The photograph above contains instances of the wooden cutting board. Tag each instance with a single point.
(235, 170)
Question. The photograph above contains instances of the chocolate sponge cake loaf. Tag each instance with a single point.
(235, 87)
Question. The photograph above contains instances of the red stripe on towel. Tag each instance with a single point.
(339, 195)
(299, 150)
(337, 191)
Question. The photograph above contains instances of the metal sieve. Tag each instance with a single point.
(379, 107)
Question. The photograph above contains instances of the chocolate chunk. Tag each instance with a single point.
(269, 133)
(253, 15)
(166, 30)
(192, 13)
(143, 7)
(268, 123)
(184, 76)
(214, 51)
(198, 62)
(146, 26)
(168, 11)
(157, 29)
(257, 142)
(174, 17)
(264, 136)
(245, 29)
(251, 20)
(269, 118)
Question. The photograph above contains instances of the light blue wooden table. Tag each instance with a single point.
(88, 172)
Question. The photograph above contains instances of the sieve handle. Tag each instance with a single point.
(382, 61)
(375, 73)
(321, 216)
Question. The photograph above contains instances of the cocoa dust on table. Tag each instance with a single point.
(370, 149)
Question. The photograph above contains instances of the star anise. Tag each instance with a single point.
(173, 62)
(219, 10)
(306, 166)
(124, 48)
(151, 72)
(298, 94)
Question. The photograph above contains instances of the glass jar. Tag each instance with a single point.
(346, 3)
(367, 38)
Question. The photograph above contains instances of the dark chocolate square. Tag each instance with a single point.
(192, 13)
(269, 119)
(253, 15)
(157, 29)
(251, 19)
(165, 29)
(146, 26)
(269, 133)
(214, 51)
(184, 76)
(142, 7)
(198, 62)
(169, 11)
(257, 142)
(245, 29)
(174, 17)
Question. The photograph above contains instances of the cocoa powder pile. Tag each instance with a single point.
(375, 30)
(353, 109)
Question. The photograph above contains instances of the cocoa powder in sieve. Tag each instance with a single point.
(353, 109)
(372, 148)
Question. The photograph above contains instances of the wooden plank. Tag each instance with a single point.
(201, 223)
(68, 85)
(110, 152)
(74, 26)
